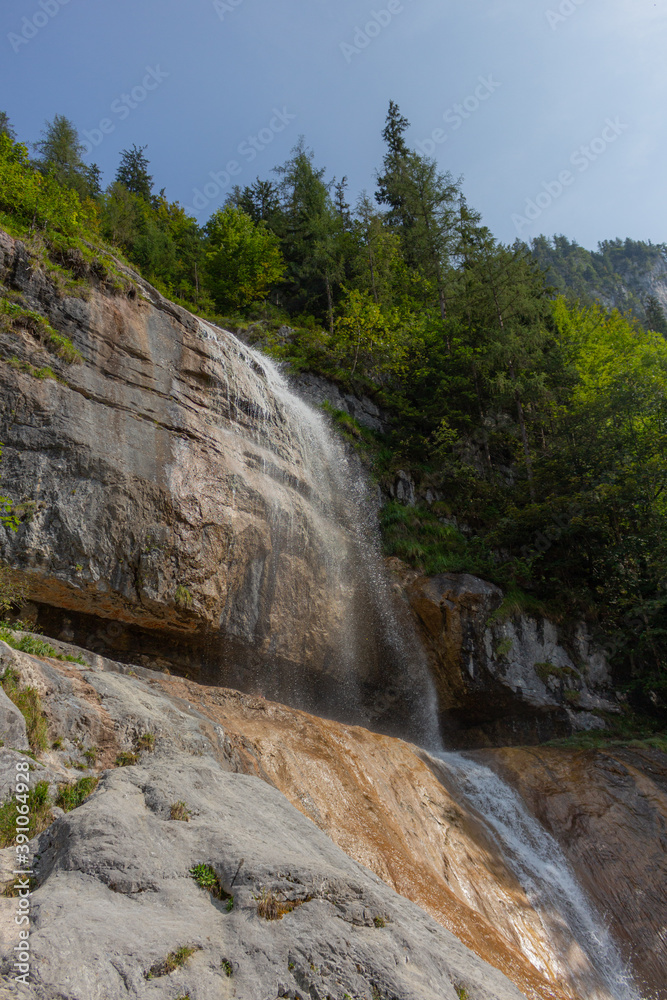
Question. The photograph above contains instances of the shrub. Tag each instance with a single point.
(126, 759)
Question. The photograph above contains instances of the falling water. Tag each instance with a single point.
(548, 880)
(377, 670)
(262, 409)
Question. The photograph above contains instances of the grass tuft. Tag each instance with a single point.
(39, 811)
(72, 796)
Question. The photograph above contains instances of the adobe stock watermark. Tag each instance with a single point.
(222, 7)
(581, 159)
(455, 116)
(22, 869)
(564, 10)
(31, 26)
(249, 149)
(122, 108)
(364, 34)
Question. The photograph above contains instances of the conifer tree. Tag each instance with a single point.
(133, 173)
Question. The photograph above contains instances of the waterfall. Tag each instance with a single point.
(375, 673)
(379, 673)
(581, 942)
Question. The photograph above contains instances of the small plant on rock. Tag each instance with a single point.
(174, 960)
(126, 759)
(39, 811)
(227, 968)
(145, 742)
(179, 811)
(28, 702)
(206, 877)
(270, 907)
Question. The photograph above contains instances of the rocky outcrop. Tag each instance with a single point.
(179, 505)
(608, 810)
(504, 679)
(227, 756)
(317, 390)
(115, 891)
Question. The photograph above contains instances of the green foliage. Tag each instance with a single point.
(180, 812)
(33, 644)
(28, 702)
(71, 796)
(183, 597)
(127, 759)
(133, 173)
(243, 258)
(145, 742)
(39, 812)
(206, 877)
(227, 968)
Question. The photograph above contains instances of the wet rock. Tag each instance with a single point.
(608, 811)
(178, 504)
(115, 892)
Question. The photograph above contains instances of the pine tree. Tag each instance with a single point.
(133, 173)
(60, 152)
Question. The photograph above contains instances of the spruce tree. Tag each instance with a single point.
(133, 173)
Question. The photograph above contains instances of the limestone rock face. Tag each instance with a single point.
(179, 504)
(116, 896)
(123, 863)
(504, 682)
(12, 724)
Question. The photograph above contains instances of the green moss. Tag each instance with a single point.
(546, 670)
(183, 597)
(504, 647)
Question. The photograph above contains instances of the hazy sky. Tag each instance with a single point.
(552, 110)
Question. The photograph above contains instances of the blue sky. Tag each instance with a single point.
(552, 110)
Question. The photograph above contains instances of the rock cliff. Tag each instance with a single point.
(180, 506)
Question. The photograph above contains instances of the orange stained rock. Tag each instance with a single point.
(379, 801)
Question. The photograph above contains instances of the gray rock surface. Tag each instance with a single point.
(115, 897)
(317, 390)
(506, 681)
(12, 724)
